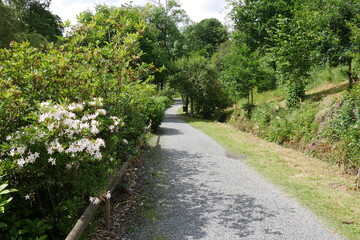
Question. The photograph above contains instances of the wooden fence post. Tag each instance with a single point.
(107, 213)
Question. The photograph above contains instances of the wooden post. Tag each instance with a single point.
(85, 219)
(107, 213)
(82, 223)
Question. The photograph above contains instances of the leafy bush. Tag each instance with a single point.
(325, 74)
(157, 109)
(303, 125)
(69, 115)
(345, 129)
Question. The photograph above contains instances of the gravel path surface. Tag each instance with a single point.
(207, 195)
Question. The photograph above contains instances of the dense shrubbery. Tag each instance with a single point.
(326, 129)
(344, 129)
(70, 115)
(157, 110)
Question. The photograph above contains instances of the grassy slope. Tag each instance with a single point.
(316, 184)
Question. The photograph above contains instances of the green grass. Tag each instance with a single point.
(317, 185)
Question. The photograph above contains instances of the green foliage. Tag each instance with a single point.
(326, 74)
(35, 229)
(258, 19)
(9, 25)
(38, 19)
(97, 79)
(243, 71)
(3, 198)
(329, 130)
(166, 17)
(19, 226)
(157, 109)
(205, 36)
(28, 20)
(345, 129)
(198, 81)
(295, 94)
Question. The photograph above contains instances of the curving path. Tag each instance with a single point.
(211, 196)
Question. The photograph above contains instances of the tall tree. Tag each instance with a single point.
(38, 19)
(206, 35)
(9, 25)
(256, 19)
(28, 20)
(166, 16)
(244, 72)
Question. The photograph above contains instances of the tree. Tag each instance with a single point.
(28, 20)
(9, 25)
(211, 33)
(38, 19)
(243, 72)
(198, 83)
(256, 19)
(166, 17)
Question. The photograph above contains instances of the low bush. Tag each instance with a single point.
(157, 109)
(344, 128)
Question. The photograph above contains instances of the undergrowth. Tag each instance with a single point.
(327, 126)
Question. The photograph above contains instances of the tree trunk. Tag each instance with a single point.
(192, 106)
(186, 104)
(252, 96)
(349, 62)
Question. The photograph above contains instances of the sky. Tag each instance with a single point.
(196, 9)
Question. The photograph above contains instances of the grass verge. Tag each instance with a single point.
(317, 185)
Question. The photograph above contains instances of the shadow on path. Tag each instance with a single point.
(191, 207)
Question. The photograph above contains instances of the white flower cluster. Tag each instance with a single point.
(76, 107)
(94, 200)
(91, 147)
(117, 123)
(108, 195)
(31, 157)
(72, 134)
(96, 102)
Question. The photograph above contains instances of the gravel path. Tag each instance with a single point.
(207, 195)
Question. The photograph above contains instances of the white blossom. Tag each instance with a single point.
(125, 141)
(52, 161)
(21, 150)
(51, 126)
(32, 157)
(44, 104)
(12, 152)
(116, 120)
(94, 130)
(94, 200)
(76, 107)
(27, 197)
(55, 145)
(108, 195)
(21, 162)
(96, 102)
(85, 125)
(92, 116)
(101, 111)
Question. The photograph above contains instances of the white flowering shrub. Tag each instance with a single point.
(58, 153)
(68, 147)
(63, 135)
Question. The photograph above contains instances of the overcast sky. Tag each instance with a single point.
(196, 9)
